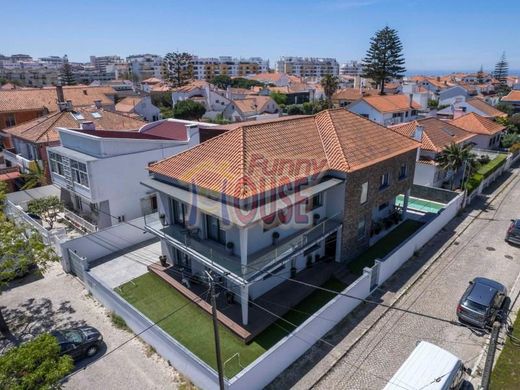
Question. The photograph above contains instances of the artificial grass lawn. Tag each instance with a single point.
(506, 374)
(384, 246)
(193, 327)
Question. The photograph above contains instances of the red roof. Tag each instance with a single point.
(168, 129)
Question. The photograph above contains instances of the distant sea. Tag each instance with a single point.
(436, 72)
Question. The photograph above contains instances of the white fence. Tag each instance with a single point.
(201, 374)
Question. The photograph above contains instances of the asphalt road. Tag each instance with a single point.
(479, 251)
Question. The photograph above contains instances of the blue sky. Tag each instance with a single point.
(436, 34)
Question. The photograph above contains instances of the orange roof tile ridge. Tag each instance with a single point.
(337, 144)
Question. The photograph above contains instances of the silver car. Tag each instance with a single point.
(481, 303)
(513, 232)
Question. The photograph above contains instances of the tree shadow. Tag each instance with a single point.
(34, 317)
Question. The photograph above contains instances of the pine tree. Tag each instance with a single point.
(384, 60)
(177, 68)
(480, 75)
(501, 73)
(66, 75)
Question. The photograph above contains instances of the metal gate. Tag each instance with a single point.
(374, 275)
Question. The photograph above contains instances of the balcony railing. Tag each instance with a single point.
(216, 256)
(17, 159)
(79, 221)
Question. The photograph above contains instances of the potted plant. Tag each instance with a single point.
(315, 219)
(229, 247)
(275, 236)
(162, 218)
(162, 259)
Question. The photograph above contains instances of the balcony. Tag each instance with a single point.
(216, 257)
(79, 222)
(19, 160)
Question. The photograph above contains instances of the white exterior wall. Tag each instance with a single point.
(147, 110)
(363, 108)
(425, 174)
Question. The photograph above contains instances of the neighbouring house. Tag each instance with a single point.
(140, 105)
(476, 105)
(434, 135)
(487, 132)
(277, 79)
(419, 94)
(99, 172)
(297, 93)
(345, 96)
(513, 98)
(212, 98)
(431, 84)
(22, 105)
(452, 95)
(31, 139)
(254, 107)
(276, 197)
(179, 129)
(387, 109)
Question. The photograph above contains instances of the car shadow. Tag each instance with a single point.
(34, 317)
(84, 363)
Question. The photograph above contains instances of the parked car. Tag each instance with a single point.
(481, 303)
(79, 343)
(513, 232)
(429, 367)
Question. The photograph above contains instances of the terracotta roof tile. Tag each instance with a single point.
(329, 140)
(512, 96)
(38, 98)
(477, 124)
(128, 104)
(43, 130)
(486, 108)
(391, 103)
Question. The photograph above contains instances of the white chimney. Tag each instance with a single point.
(458, 112)
(69, 105)
(418, 133)
(410, 96)
(87, 125)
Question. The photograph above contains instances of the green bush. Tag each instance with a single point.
(484, 172)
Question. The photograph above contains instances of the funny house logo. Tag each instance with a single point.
(273, 190)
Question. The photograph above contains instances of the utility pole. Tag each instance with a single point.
(486, 376)
(215, 331)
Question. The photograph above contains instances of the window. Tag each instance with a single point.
(414, 112)
(79, 172)
(364, 115)
(403, 172)
(10, 120)
(179, 212)
(315, 202)
(56, 162)
(361, 231)
(364, 192)
(214, 230)
(384, 181)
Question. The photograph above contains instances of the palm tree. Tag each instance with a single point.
(35, 177)
(330, 85)
(454, 157)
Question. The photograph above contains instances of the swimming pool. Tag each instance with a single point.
(423, 205)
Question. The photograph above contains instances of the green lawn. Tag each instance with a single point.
(506, 374)
(193, 327)
(384, 246)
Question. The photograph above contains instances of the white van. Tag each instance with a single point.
(429, 367)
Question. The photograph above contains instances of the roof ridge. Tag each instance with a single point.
(337, 143)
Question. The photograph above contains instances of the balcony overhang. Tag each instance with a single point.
(231, 213)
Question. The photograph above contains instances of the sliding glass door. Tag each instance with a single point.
(214, 230)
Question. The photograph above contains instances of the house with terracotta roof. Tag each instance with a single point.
(513, 98)
(343, 97)
(387, 109)
(452, 95)
(21, 105)
(251, 108)
(141, 106)
(275, 198)
(30, 140)
(434, 135)
(213, 99)
(487, 132)
(99, 169)
(277, 79)
(476, 105)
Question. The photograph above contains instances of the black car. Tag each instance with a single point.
(79, 343)
(481, 303)
(513, 232)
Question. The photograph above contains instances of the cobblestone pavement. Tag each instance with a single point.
(36, 305)
(371, 344)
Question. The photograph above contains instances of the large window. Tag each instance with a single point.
(179, 212)
(79, 172)
(56, 162)
(214, 230)
(361, 228)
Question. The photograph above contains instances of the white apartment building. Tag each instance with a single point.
(351, 68)
(144, 66)
(207, 68)
(99, 172)
(308, 66)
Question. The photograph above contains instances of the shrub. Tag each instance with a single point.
(119, 322)
(515, 148)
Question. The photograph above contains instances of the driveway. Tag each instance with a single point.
(371, 344)
(33, 306)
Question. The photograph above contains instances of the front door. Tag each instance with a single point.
(214, 230)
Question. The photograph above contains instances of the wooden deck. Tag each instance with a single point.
(278, 300)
